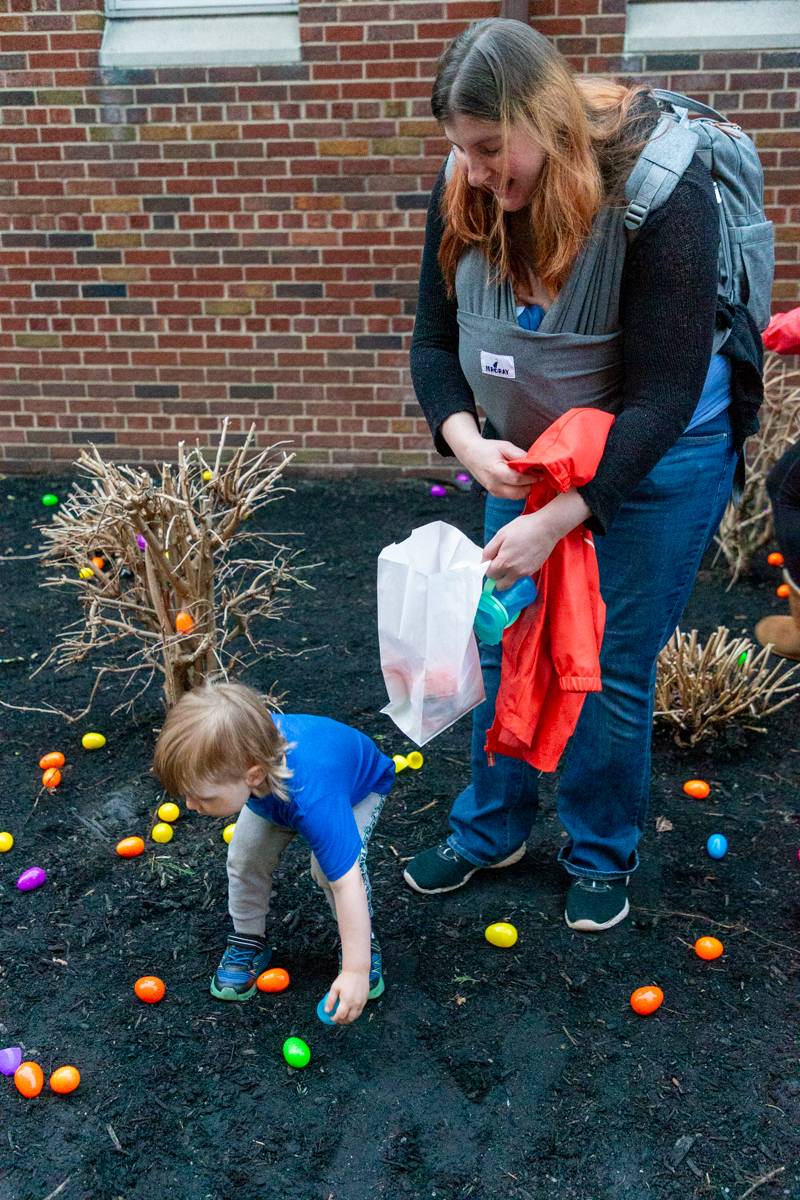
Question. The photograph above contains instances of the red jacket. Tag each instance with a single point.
(783, 333)
(551, 654)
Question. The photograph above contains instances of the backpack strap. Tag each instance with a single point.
(669, 150)
(680, 101)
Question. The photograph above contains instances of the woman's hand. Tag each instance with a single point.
(486, 460)
(519, 549)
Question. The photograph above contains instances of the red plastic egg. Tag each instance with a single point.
(775, 559)
(150, 988)
(273, 980)
(64, 1080)
(130, 847)
(54, 759)
(51, 778)
(29, 1079)
(184, 622)
(698, 789)
(645, 1000)
(708, 948)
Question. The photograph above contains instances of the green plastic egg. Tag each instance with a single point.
(49, 500)
(296, 1052)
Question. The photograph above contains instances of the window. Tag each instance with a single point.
(193, 8)
(694, 25)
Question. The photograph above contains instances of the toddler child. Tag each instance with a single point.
(225, 753)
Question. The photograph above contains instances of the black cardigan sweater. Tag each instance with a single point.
(668, 308)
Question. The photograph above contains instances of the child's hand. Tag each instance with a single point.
(350, 989)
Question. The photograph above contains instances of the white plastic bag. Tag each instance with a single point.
(428, 592)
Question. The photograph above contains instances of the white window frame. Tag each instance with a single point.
(655, 26)
(195, 8)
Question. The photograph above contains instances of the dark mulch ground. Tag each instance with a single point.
(499, 1075)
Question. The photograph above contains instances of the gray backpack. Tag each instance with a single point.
(746, 249)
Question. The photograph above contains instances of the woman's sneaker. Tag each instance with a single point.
(245, 957)
(442, 869)
(596, 904)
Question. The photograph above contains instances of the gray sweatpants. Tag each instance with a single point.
(254, 853)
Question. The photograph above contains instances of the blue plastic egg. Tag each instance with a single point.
(717, 845)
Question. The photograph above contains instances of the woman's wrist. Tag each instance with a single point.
(564, 513)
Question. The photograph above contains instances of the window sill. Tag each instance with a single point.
(713, 25)
(243, 41)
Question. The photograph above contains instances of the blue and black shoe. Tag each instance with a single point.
(245, 957)
(376, 984)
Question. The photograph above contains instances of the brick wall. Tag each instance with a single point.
(181, 244)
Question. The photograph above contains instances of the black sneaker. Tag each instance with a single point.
(596, 904)
(245, 957)
(441, 869)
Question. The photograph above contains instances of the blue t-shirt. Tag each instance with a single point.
(333, 768)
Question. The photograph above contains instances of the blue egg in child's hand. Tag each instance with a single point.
(326, 1017)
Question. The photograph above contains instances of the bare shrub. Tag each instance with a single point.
(747, 527)
(702, 688)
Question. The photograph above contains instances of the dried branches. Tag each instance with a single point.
(701, 688)
(747, 527)
(153, 566)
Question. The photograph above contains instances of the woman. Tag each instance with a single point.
(540, 161)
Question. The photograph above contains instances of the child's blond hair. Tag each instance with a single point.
(216, 733)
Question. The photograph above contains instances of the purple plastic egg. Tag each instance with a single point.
(141, 542)
(10, 1058)
(438, 490)
(463, 477)
(31, 879)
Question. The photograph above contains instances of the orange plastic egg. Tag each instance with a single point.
(698, 789)
(775, 559)
(98, 561)
(130, 847)
(782, 590)
(64, 1080)
(54, 759)
(645, 1000)
(51, 777)
(150, 988)
(29, 1079)
(273, 980)
(708, 948)
(184, 622)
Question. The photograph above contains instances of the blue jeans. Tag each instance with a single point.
(648, 562)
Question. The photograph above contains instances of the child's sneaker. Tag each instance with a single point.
(245, 957)
(376, 984)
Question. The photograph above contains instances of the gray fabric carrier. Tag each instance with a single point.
(525, 380)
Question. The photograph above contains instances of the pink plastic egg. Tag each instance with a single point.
(31, 879)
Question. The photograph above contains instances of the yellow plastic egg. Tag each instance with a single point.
(208, 476)
(162, 832)
(400, 763)
(415, 760)
(168, 811)
(93, 741)
(86, 573)
(501, 933)
(6, 842)
(227, 832)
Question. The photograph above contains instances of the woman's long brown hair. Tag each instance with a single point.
(591, 131)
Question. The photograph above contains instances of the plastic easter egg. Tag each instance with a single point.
(130, 847)
(717, 845)
(54, 759)
(227, 832)
(275, 979)
(645, 1000)
(708, 948)
(782, 590)
(775, 559)
(64, 1080)
(184, 622)
(296, 1052)
(326, 1017)
(698, 789)
(10, 1058)
(29, 1079)
(150, 988)
(400, 763)
(49, 500)
(742, 659)
(93, 741)
(98, 561)
(162, 833)
(31, 879)
(169, 811)
(51, 778)
(208, 476)
(438, 490)
(463, 477)
(86, 573)
(415, 760)
(501, 933)
(6, 842)
(141, 542)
